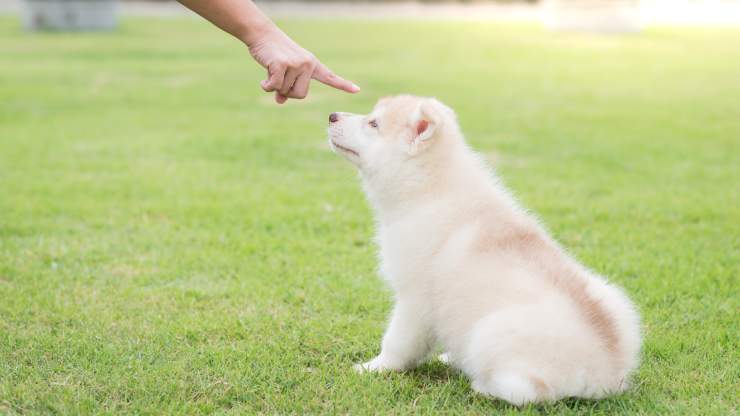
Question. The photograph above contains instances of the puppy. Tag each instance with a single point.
(473, 272)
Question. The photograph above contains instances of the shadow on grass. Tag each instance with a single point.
(436, 374)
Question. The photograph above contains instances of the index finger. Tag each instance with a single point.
(325, 76)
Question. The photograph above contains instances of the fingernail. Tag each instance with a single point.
(355, 87)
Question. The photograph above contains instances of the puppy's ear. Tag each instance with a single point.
(426, 122)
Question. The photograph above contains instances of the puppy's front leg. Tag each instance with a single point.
(405, 343)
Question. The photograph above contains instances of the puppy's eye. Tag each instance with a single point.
(373, 123)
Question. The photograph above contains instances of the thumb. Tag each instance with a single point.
(325, 76)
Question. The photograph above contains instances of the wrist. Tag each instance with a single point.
(256, 30)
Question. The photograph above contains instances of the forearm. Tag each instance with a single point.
(240, 18)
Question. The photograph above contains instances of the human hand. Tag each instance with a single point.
(290, 68)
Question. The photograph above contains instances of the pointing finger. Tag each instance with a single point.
(325, 76)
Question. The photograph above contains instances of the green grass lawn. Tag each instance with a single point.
(171, 241)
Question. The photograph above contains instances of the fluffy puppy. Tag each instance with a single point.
(473, 272)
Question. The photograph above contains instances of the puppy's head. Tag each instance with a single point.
(399, 130)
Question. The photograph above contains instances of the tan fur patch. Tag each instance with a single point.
(394, 122)
(533, 245)
(539, 386)
(594, 312)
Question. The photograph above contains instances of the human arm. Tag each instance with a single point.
(290, 68)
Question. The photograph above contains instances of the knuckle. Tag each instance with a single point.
(268, 86)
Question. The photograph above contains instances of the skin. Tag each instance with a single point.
(290, 68)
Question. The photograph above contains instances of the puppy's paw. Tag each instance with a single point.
(376, 365)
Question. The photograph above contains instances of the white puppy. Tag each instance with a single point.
(476, 274)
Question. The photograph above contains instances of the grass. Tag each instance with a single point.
(173, 242)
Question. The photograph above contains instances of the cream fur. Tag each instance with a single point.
(475, 273)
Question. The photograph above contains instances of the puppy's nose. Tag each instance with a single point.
(333, 117)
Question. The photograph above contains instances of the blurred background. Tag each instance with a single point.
(172, 241)
(595, 15)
